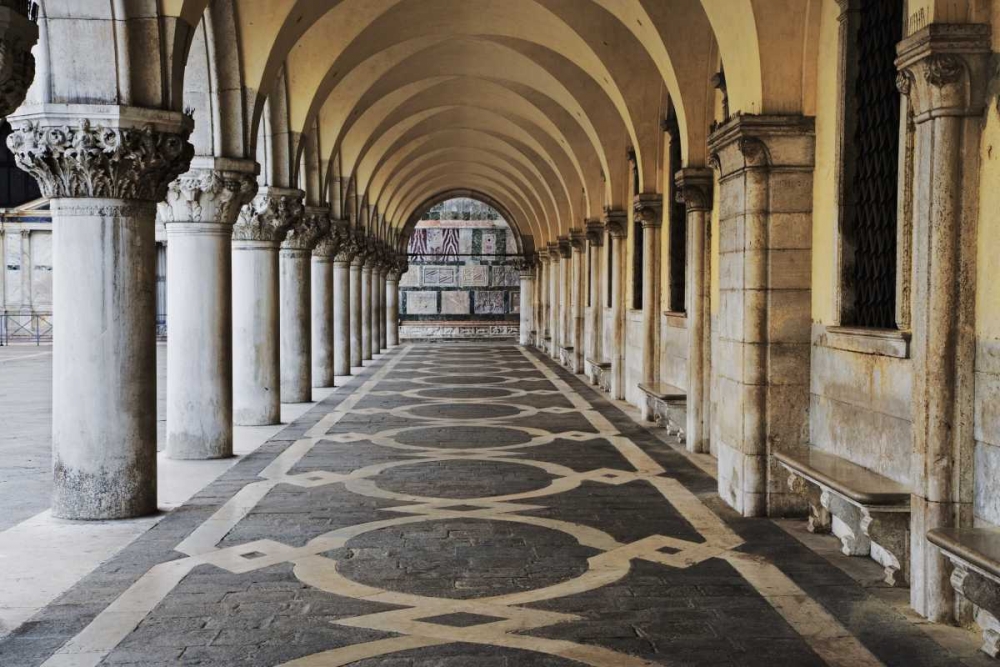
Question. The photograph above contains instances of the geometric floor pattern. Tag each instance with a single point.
(466, 504)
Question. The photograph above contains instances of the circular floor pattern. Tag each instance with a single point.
(445, 558)
(462, 479)
(462, 437)
(462, 379)
(465, 393)
(465, 411)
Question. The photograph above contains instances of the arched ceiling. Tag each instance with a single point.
(380, 106)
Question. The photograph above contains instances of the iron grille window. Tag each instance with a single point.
(874, 148)
(610, 280)
(637, 265)
(677, 226)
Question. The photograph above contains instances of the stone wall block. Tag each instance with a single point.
(874, 440)
(790, 269)
(791, 192)
(789, 320)
(790, 230)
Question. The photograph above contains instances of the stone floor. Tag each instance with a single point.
(468, 504)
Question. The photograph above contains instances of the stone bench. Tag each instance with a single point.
(666, 405)
(566, 357)
(868, 512)
(599, 373)
(975, 553)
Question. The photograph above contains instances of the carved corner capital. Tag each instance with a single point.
(211, 191)
(91, 151)
(18, 33)
(595, 233)
(694, 188)
(648, 209)
(943, 68)
(269, 216)
(616, 223)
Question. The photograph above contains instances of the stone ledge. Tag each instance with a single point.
(676, 320)
(884, 342)
(854, 482)
(663, 392)
(975, 554)
(605, 365)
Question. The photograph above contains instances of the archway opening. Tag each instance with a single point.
(463, 281)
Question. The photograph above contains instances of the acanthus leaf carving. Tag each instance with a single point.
(269, 216)
(941, 69)
(207, 195)
(97, 161)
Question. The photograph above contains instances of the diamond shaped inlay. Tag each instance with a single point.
(462, 508)
(461, 619)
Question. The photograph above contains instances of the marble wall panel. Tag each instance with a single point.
(439, 276)
(411, 278)
(420, 303)
(506, 276)
(488, 302)
(455, 302)
(475, 275)
(515, 302)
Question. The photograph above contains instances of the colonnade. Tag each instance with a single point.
(260, 299)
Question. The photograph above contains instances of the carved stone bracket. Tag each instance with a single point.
(819, 516)
(18, 33)
(890, 531)
(616, 222)
(565, 248)
(694, 188)
(846, 524)
(270, 215)
(984, 593)
(212, 191)
(648, 209)
(84, 151)
(595, 233)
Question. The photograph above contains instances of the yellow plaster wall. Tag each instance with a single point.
(988, 261)
(824, 268)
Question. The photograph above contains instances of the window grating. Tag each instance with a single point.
(872, 222)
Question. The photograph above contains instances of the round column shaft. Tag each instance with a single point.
(366, 311)
(355, 320)
(342, 311)
(392, 309)
(322, 321)
(295, 332)
(256, 355)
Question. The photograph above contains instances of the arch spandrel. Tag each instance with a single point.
(481, 154)
(504, 177)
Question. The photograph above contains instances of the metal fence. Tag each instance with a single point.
(25, 328)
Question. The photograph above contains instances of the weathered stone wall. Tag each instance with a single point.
(674, 350)
(860, 407)
(634, 347)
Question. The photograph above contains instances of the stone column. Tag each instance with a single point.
(104, 167)
(342, 318)
(649, 210)
(615, 223)
(378, 314)
(322, 301)
(578, 279)
(366, 307)
(18, 33)
(527, 271)
(256, 356)
(542, 319)
(198, 215)
(357, 356)
(694, 188)
(555, 334)
(595, 239)
(392, 306)
(761, 371)
(295, 316)
(944, 69)
(565, 297)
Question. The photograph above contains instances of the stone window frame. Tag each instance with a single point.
(869, 340)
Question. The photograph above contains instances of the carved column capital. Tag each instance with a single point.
(616, 223)
(326, 244)
(565, 248)
(648, 209)
(553, 251)
(108, 152)
(943, 68)
(578, 240)
(747, 142)
(269, 216)
(213, 190)
(694, 188)
(595, 233)
(18, 33)
(347, 247)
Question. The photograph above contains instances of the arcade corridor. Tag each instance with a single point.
(473, 504)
